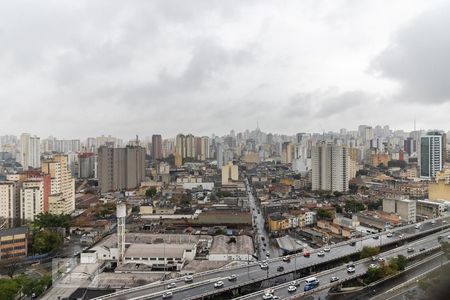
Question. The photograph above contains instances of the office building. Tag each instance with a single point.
(432, 151)
(13, 243)
(30, 151)
(157, 146)
(120, 168)
(405, 208)
(330, 167)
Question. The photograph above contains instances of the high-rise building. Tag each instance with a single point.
(9, 200)
(432, 151)
(205, 151)
(410, 146)
(120, 168)
(86, 165)
(330, 167)
(32, 200)
(62, 185)
(157, 146)
(30, 151)
(180, 145)
(230, 172)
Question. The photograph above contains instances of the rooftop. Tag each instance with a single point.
(158, 250)
(221, 244)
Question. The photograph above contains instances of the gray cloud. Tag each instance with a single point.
(418, 58)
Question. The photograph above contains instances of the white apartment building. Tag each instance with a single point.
(330, 167)
(9, 200)
(30, 151)
(31, 198)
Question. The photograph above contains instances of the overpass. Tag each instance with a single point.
(429, 244)
(203, 283)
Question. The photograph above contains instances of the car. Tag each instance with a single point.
(444, 221)
(390, 234)
(375, 237)
(292, 288)
(433, 222)
(320, 253)
(380, 259)
(306, 254)
(188, 278)
(167, 295)
(296, 282)
(286, 258)
(171, 285)
(269, 291)
(374, 258)
(280, 269)
(409, 250)
(326, 249)
(267, 296)
(418, 225)
(267, 253)
(422, 249)
(264, 266)
(232, 277)
(334, 278)
(352, 243)
(350, 269)
(218, 284)
(373, 266)
(401, 236)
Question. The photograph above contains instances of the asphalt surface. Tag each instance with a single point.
(203, 283)
(261, 236)
(341, 272)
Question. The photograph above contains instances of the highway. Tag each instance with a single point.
(428, 243)
(203, 283)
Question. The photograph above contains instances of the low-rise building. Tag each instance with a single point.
(231, 248)
(405, 208)
(430, 209)
(13, 242)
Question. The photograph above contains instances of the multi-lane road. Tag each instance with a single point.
(421, 246)
(203, 283)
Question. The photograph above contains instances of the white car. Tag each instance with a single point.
(167, 295)
(374, 258)
(188, 278)
(267, 296)
(320, 253)
(292, 288)
(171, 285)
(269, 291)
(351, 269)
(401, 236)
(296, 282)
(264, 266)
(334, 278)
(433, 222)
(218, 284)
(326, 249)
(373, 266)
(390, 234)
(232, 277)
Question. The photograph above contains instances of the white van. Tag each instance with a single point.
(312, 280)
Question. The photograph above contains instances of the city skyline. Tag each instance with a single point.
(166, 65)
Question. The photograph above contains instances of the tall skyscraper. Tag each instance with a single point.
(157, 146)
(120, 168)
(30, 151)
(432, 151)
(330, 167)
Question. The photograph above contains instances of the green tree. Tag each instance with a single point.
(337, 194)
(353, 206)
(353, 188)
(374, 274)
(402, 262)
(374, 205)
(51, 221)
(9, 289)
(150, 193)
(324, 214)
(369, 252)
(9, 266)
(46, 241)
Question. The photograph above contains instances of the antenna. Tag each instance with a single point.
(414, 123)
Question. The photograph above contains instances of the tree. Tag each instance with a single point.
(51, 221)
(150, 193)
(362, 173)
(338, 208)
(353, 206)
(337, 194)
(9, 289)
(46, 241)
(324, 214)
(9, 266)
(397, 164)
(353, 188)
(402, 262)
(374, 205)
(374, 274)
(369, 252)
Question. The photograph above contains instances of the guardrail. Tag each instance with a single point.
(274, 260)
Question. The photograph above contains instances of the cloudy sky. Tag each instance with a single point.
(84, 68)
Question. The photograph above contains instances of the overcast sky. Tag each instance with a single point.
(84, 68)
